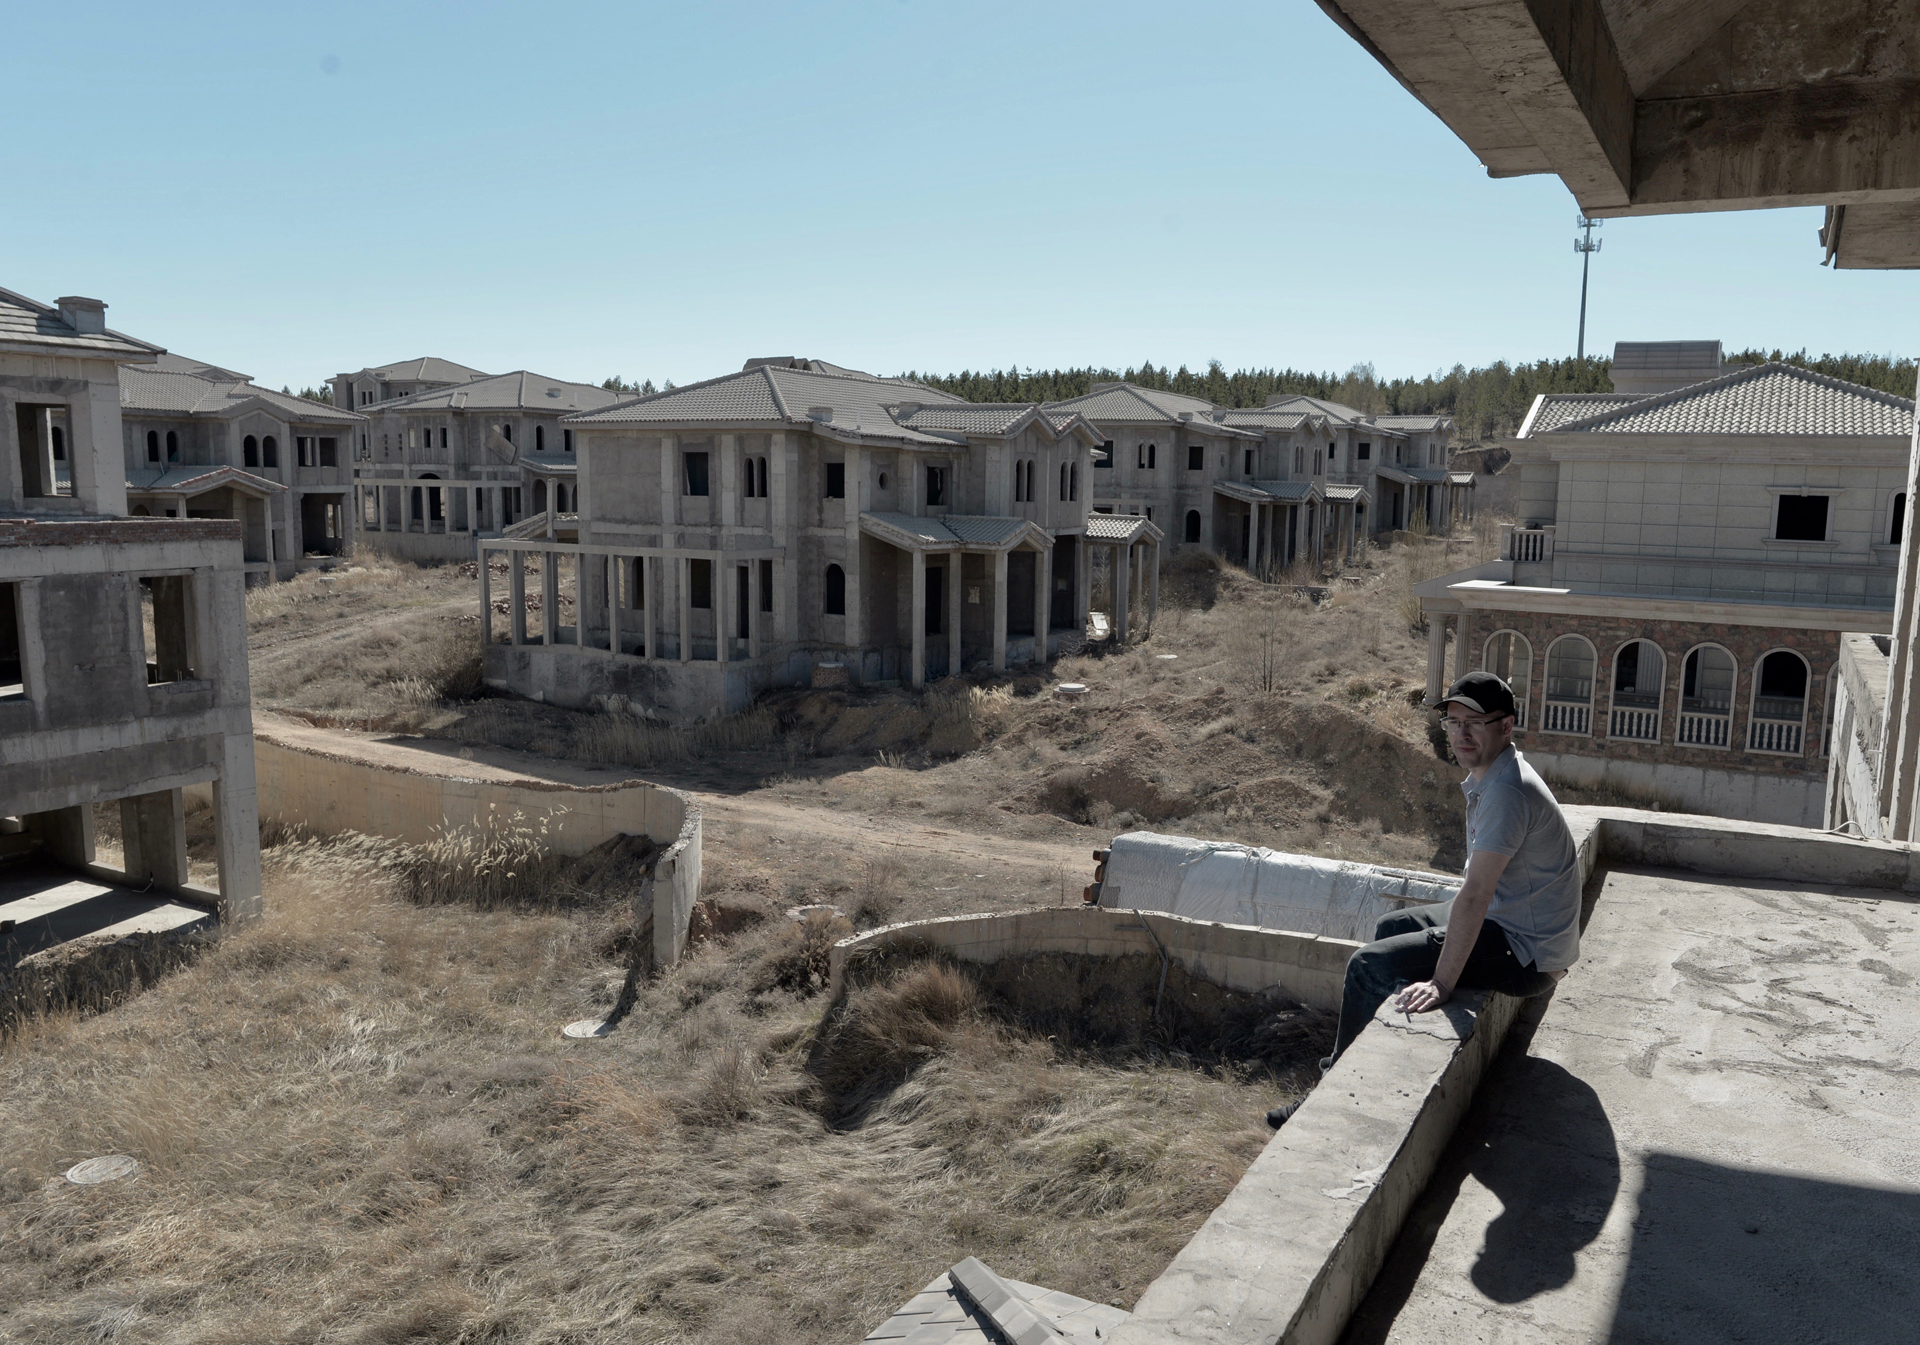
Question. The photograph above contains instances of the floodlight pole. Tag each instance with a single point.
(1586, 246)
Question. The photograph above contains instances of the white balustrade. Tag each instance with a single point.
(1777, 736)
(1634, 724)
(1568, 717)
(1698, 730)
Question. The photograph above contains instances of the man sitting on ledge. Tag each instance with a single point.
(1515, 927)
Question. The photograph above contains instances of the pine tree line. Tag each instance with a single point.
(1488, 402)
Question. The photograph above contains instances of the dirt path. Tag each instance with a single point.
(267, 652)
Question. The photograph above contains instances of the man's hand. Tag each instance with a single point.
(1422, 998)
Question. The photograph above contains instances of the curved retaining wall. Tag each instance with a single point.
(1309, 967)
(413, 795)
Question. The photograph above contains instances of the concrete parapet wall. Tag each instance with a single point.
(1786, 800)
(1307, 967)
(421, 797)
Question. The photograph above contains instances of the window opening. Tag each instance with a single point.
(1363, 451)
(59, 444)
(1246, 468)
(700, 584)
(936, 486)
(13, 682)
(1193, 525)
(836, 591)
(1569, 699)
(1706, 697)
(1779, 703)
(566, 441)
(1196, 458)
(694, 473)
(1106, 450)
(1509, 656)
(269, 451)
(153, 446)
(1801, 518)
(329, 452)
(539, 438)
(250, 451)
(1899, 518)
(166, 627)
(1638, 671)
(766, 585)
(836, 486)
(173, 446)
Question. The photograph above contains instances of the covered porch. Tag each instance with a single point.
(1132, 543)
(1270, 526)
(216, 492)
(961, 588)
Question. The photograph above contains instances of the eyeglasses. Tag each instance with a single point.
(1460, 726)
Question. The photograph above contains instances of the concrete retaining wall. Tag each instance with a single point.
(1783, 800)
(1307, 967)
(329, 793)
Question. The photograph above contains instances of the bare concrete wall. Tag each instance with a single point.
(329, 793)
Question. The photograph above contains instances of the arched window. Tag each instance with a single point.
(173, 446)
(153, 445)
(762, 469)
(1193, 525)
(836, 595)
(539, 438)
(1569, 703)
(1639, 673)
(506, 432)
(1073, 481)
(1508, 655)
(269, 452)
(250, 452)
(1778, 722)
(1706, 697)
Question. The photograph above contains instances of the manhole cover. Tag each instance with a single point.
(110, 1168)
(586, 1027)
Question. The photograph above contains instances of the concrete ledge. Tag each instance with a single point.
(1307, 967)
(1292, 1250)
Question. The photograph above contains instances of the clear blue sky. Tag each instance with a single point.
(664, 191)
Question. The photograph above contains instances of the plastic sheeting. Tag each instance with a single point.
(1251, 885)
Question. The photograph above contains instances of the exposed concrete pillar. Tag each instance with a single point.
(1436, 656)
(614, 565)
(998, 616)
(755, 635)
(683, 579)
(1900, 725)
(1122, 589)
(1253, 542)
(1042, 592)
(586, 598)
(236, 836)
(1082, 581)
(1153, 584)
(67, 834)
(954, 596)
(486, 600)
(725, 596)
(153, 831)
(918, 579)
(517, 596)
(550, 597)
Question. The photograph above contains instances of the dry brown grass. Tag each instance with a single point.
(358, 1122)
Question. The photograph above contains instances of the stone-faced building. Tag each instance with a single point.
(742, 532)
(123, 650)
(204, 442)
(442, 466)
(356, 392)
(1670, 606)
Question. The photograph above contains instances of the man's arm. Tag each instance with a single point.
(1463, 931)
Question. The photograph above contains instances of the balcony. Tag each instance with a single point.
(1699, 729)
(1526, 545)
(1634, 724)
(1568, 717)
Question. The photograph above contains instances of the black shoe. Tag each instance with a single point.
(1279, 1116)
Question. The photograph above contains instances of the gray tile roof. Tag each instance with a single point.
(1666, 356)
(950, 530)
(520, 390)
(1764, 399)
(1335, 490)
(1122, 528)
(1127, 404)
(1413, 423)
(1270, 417)
(1268, 492)
(196, 479)
(1551, 410)
(942, 1314)
(170, 363)
(28, 322)
(426, 369)
(153, 392)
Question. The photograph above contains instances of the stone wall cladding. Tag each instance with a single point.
(1747, 644)
(109, 531)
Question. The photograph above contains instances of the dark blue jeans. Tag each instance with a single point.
(1406, 950)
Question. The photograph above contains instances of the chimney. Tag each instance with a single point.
(821, 413)
(86, 316)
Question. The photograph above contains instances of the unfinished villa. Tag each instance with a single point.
(445, 459)
(123, 666)
(798, 521)
(206, 442)
(1670, 607)
(1270, 487)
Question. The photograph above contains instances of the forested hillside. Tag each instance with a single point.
(1487, 402)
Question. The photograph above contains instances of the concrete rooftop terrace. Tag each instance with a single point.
(1707, 1134)
(1710, 1137)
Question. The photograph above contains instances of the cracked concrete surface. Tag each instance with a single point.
(1710, 1137)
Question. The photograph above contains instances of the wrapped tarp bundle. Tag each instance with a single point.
(1251, 885)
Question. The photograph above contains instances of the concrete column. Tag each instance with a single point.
(517, 597)
(955, 595)
(669, 491)
(1253, 543)
(998, 616)
(1082, 581)
(1122, 590)
(755, 633)
(67, 834)
(1316, 519)
(919, 618)
(652, 576)
(782, 482)
(856, 571)
(379, 512)
(550, 598)
(729, 512)
(1042, 596)
(153, 830)
(721, 591)
(586, 599)
(1153, 584)
(614, 565)
(236, 824)
(1436, 656)
(486, 601)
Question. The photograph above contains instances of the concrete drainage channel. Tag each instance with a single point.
(1290, 1253)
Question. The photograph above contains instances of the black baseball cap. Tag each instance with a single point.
(1481, 692)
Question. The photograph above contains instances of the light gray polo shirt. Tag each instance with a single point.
(1510, 811)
